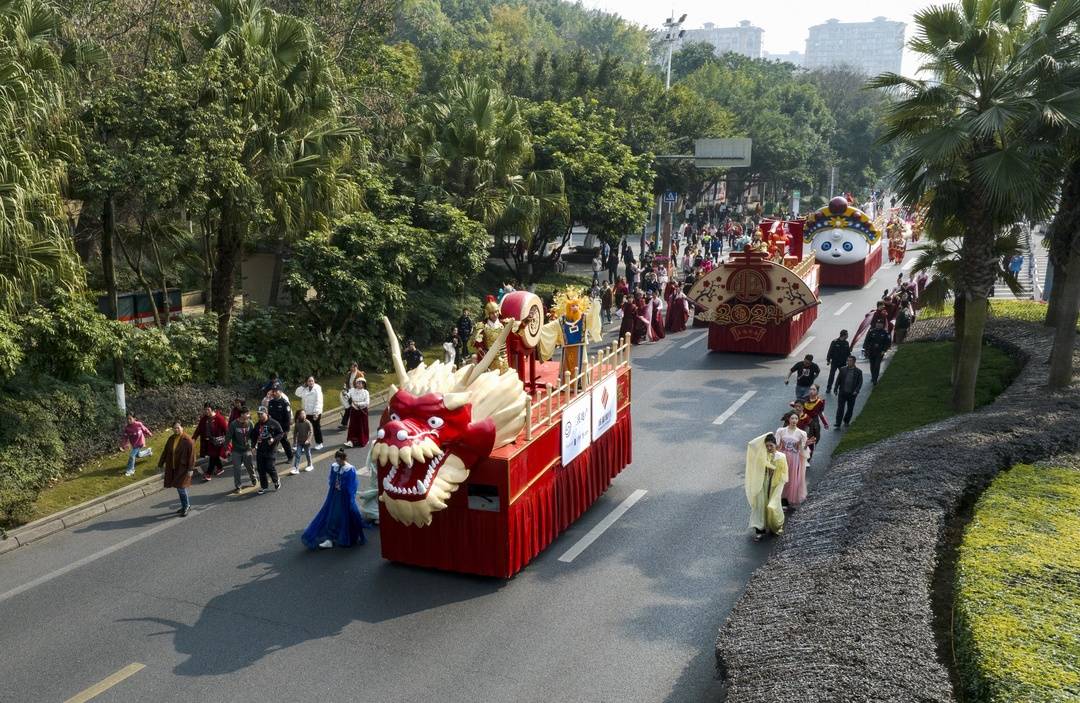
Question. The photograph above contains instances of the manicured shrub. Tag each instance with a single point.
(1017, 634)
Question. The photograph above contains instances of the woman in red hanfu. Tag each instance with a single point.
(656, 318)
(811, 417)
(678, 314)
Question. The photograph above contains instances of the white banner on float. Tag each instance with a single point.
(605, 406)
(576, 428)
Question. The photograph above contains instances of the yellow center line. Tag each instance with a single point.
(106, 683)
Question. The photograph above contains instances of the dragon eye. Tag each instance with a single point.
(825, 246)
(394, 417)
(848, 246)
(435, 422)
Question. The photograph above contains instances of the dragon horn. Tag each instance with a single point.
(395, 353)
(489, 358)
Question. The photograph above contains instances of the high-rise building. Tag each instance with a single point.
(868, 47)
(744, 39)
(792, 57)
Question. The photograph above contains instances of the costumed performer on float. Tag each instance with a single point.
(488, 331)
(766, 475)
(338, 523)
(577, 322)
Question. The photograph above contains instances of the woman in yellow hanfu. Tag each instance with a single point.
(766, 474)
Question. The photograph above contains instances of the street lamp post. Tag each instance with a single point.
(674, 33)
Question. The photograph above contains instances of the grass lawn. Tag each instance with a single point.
(1017, 635)
(915, 390)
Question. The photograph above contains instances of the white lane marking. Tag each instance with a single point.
(804, 345)
(106, 683)
(90, 558)
(910, 263)
(842, 310)
(734, 408)
(872, 281)
(695, 340)
(601, 527)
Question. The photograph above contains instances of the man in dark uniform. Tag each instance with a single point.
(875, 345)
(848, 385)
(837, 357)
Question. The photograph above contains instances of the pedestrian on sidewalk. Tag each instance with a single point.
(848, 385)
(875, 345)
(302, 430)
(358, 415)
(837, 357)
(265, 436)
(135, 434)
(607, 301)
(904, 318)
(597, 268)
(450, 347)
(211, 432)
(350, 379)
(765, 477)
(178, 460)
(411, 356)
(806, 372)
(280, 409)
(239, 436)
(311, 399)
(239, 406)
(612, 265)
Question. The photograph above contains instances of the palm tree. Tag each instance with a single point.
(471, 147)
(968, 145)
(288, 97)
(36, 252)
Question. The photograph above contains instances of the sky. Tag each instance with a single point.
(785, 21)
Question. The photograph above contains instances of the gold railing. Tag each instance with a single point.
(549, 403)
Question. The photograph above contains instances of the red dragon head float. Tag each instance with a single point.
(439, 423)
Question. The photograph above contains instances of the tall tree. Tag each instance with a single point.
(963, 146)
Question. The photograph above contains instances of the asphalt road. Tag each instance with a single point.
(227, 605)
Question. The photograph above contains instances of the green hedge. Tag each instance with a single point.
(1017, 619)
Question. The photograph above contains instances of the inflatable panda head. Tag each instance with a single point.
(840, 234)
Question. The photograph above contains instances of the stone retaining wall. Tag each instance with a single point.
(842, 609)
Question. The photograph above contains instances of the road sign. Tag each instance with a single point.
(670, 197)
(722, 153)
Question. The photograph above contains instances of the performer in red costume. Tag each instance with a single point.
(656, 319)
(678, 314)
(811, 416)
(632, 324)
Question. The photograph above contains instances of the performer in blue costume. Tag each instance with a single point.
(339, 521)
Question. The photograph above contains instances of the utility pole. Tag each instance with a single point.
(674, 34)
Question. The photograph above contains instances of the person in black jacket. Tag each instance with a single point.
(848, 385)
(279, 409)
(875, 345)
(838, 354)
(265, 435)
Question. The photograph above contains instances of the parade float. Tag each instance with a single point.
(481, 467)
(762, 300)
(845, 242)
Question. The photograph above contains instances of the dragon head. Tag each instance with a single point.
(438, 424)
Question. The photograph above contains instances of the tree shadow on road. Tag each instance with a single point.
(293, 596)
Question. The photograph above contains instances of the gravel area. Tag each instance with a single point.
(842, 609)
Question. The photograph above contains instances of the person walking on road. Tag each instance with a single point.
(265, 436)
(905, 316)
(837, 357)
(766, 475)
(135, 434)
(597, 269)
(239, 435)
(607, 301)
(612, 265)
(211, 432)
(791, 441)
(355, 373)
(178, 460)
(311, 398)
(875, 345)
(359, 398)
(338, 522)
(302, 430)
(806, 372)
(280, 409)
(848, 385)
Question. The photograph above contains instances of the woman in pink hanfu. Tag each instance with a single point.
(792, 442)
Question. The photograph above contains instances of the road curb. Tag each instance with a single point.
(77, 514)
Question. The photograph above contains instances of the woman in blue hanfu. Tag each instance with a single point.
(338, 522)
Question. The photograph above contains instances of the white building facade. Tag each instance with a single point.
(744, 39)
(868, 47)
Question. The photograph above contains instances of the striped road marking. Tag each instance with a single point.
(601, 527)
(842, 310)
(695, 340)
(804, 345)
(106, 683)
(734, 408)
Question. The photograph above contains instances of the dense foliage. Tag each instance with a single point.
(1018, 589)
